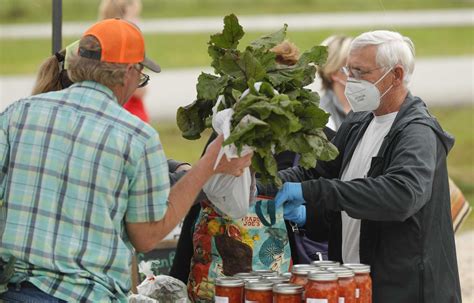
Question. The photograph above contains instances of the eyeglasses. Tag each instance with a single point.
(144, 78)
(355, 72)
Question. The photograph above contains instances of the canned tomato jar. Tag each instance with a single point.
(322, 287)
(346, 284)
(229, 290)
(363, 282)
(287, 293)
(299, 274)
(259, 292)
(265, 273)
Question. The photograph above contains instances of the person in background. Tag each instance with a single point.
(84, 183)
(388, 188)
(333, 80)
(128, 10)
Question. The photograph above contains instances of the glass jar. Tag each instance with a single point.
(287, 293)
(322, 286)
(229, 290)
(299, 274)
(259, 292)
(363, 282)
(346, 284)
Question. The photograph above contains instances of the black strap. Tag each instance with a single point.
(271, 210)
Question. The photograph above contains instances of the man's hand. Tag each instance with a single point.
(296, 214)
(290, 192)
(234, 166)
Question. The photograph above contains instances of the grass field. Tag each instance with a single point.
(456, 120)
(190, 50)
(22, 11)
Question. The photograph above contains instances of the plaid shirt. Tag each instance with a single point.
(74, 167)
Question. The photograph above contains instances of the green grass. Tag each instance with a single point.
(459, 121)
(190, 50)
(21, 11)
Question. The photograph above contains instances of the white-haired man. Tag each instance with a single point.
(387, 192)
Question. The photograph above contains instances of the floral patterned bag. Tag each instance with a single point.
(225, 246)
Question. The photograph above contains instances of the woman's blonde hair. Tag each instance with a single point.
(84, 69)
(286, 53)
(119, 9)
(48, 75)
(338, 50)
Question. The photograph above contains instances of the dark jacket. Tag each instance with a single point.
(406, 232)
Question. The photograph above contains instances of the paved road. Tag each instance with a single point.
(438, 81)
(379, 19)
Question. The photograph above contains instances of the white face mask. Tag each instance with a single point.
(363, 95)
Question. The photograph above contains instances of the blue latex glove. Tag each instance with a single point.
(291, 192)
(296, 214)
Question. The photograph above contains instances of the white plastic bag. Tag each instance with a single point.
(163, 289)
(230, 195)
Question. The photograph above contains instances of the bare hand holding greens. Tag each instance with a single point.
(269, 122)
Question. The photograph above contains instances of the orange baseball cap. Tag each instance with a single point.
(120, 42)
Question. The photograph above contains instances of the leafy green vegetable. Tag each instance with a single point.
(276, 115)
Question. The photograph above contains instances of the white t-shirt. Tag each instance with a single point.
(358, 167)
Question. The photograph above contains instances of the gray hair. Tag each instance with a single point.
(84, 69)
(392, 49)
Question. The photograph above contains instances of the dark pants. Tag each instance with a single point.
(26, 293)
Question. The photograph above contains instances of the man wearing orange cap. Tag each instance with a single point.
(84, 182)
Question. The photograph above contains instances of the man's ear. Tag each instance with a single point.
(399, 73)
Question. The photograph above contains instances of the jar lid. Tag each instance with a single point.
(279, 279)
(259, 285)
(322, 276)
(229, 282)
(325, 263)
(341, 272)
(358, 268)
(247, 276)
(304, 270)
(287, 288)
(286, 275)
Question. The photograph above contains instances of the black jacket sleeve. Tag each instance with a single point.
(394, 195)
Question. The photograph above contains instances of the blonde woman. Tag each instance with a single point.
(333, 81)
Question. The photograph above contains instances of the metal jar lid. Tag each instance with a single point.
(322, 276)
(276, 280)
(358, 268)
(229, 282)
(259, 285)
(325, 263)
(341, 272)
(286, 275)
(287, 289)
(247, 276)
(304, 271)
(265, 273)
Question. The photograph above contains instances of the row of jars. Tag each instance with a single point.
(322, 281)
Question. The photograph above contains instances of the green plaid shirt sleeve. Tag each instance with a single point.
(148, 193)
(4, 147)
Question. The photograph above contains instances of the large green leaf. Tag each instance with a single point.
(230, 36)
(209, 87)
(317, 55)
(269, 41)
(251, 67)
